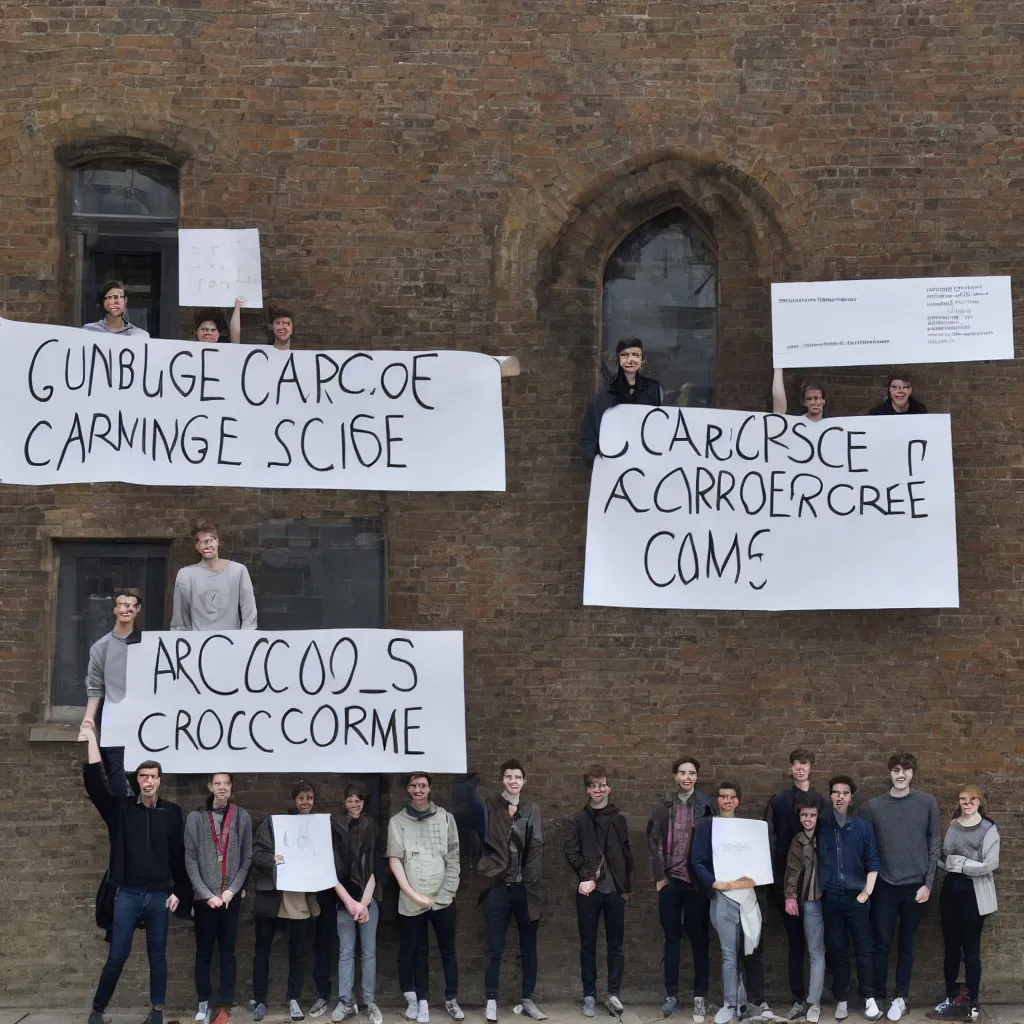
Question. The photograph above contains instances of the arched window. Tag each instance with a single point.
(661, 285)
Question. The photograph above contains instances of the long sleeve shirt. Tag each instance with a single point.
(213, 599)
(908, 831)
(108, 664)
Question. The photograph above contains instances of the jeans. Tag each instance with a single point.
(961, 933)
(413, 963)
(889, 902)
(130, 907)
(814, 933)
(113, 766)
(347, 954)
(588, 915)
(325, 928)
(298, 935)
(725, 916)
(503, 903)
(794, 927)
(220, 926)
(684, 907)
(844, 917)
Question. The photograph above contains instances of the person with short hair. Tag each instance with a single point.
(512, 850)
(627, 387)
(682, 903)
(112, 300)
(598, 851)
(907, 830)
(812, 400)
(211, 327)
(214, 593)
(282, 327)
(900, 398)
(218, 851)
(423, 854)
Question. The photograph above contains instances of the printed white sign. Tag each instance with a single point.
(706, 508)
(307, 700)
(80, 407)
(739, 849)
(217, 265)
(304, 851)
(913, 320)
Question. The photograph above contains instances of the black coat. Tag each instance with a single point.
(645, 392)
(583, 847)
(886, 409)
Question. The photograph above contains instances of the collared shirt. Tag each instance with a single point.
(680, 837)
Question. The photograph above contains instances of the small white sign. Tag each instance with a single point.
(216, 265)
(892, 322)
(739, 849)
(304, 852)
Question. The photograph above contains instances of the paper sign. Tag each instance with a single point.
(739, 848)
(217, 265)
(892, 322)
(305, 852)
(709, 508)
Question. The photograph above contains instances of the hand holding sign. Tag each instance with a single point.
(214, 265)
(304, 852)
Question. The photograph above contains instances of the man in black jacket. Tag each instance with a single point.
(627, 387)
(147, 863)
(900, 398)
(597, 847)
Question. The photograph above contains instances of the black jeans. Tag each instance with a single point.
(325, 936)
(588, 914)
(683, 906)
(413, 947)
(794, 926)
(216, 926)
(889, 902)
(503, 903)
(845, 917)
(298, 936)
(961, 934)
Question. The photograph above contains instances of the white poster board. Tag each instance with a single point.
(216, 265)
(300, 701)
(708, 508)
(82, 407)
(304, 850)
(890, 322)
(739, 848)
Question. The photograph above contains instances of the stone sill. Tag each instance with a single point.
(53, 732)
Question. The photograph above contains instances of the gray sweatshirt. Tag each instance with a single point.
(108, 663)
(129, 328)
(204, 599)
(201, 862)
(908, 834)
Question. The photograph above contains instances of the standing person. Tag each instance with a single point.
(682, 903)
(513, 847)
(900, 398)
(423, 854)
(970, 857)
(812, 401)
(355, 844)
(627, 387)
(848, 870)
(211, 327)
(282, 327)
(597, 848)
(147, 863)
(907, 831)
(218, 851)
(737, 920)
(784, 825)
(105, 681)
(215, 593)
(112, 299)
(802, 891)
(276, 910)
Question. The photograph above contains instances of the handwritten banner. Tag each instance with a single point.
(913, 320)
(77, 407)
(704, 508)
(316, 700)
(304, 851)
(215, 265)
(739, 849)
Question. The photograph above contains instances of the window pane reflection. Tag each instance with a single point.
(105, 190)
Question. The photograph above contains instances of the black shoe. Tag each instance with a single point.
(96, 1017)
(155, 1016)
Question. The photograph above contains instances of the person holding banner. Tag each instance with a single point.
(812, 398)
(215, 593)
(211, 327)
(112, 299)
(423, 854)
(900, 398)
(218, 851)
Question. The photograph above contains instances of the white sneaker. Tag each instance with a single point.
(700, 1008)
(614, 1004)
(842, 1010)
(372, 1013)
(294, 1010)
(412, 1007)
(202, 1010)
(454, 1010)
(897, 1008)
(871, 1010)
(491, 1011)
(726, 1014)
(422, 1012)
(813, 1013)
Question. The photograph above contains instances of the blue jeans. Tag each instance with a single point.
(347, 954)
(843, 915)
(889, 903)
(130, 907)
(814, 934)
(741, 971)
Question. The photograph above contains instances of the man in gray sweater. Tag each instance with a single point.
(213, 594)
(908, 836)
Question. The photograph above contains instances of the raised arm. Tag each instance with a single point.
(779, 403)
(92, 774)
(235, 324)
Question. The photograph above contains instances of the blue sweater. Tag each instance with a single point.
(846, 854)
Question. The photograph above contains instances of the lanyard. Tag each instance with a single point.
(221, 844)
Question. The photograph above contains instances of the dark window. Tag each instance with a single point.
(90, 572)
(661, 285)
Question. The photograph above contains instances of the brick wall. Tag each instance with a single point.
(454, 174)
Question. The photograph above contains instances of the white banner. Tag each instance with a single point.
(706, 508)
(890, 322)
(216, 265)
(739, 849)
(308, 700)
(304, 851)
(81, 407)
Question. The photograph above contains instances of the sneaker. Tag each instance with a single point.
(614, 1004)
(294, 1010)
(532, 1010)
(259, 1011)
(814, 1013)
(872, 1010)
(897, 1008)
(222, 1016)
(372, 1014)
(341, 1011)
(975, 1012)
(202, 1010)
(589, 1006)
(412, 1008)
(319, 1008)
(797, 1010)
(96, 1017)
(422, 1012)
(947, 1010)
(726, 1014)
(765, 1011)
(491, 1010)
(668, 1007)
(842, 1010)
(454, 1010)
(700, 1008)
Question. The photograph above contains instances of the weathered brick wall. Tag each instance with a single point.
(451, 173)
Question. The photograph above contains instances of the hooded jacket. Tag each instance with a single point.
(598, 841)
(658, 829)
(645, 392)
